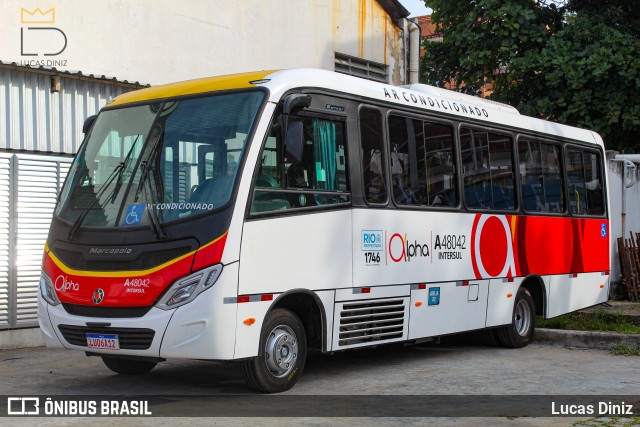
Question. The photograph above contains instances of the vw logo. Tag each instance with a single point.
(98, 296)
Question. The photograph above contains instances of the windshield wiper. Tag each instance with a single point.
(117, 172)
(86, 210)
(153, 215)
(124, 164)
(144, 165)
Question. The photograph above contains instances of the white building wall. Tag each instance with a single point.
(632, 217)
(160, 41)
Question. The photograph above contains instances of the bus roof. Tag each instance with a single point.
(191, 87)
(417, 96)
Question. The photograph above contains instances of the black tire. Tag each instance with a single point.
(523, 322)
(282, 335)
(128, 366)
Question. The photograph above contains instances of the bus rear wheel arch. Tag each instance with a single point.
(282, 356)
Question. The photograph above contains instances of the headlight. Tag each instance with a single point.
(47, 291)
(186, 289)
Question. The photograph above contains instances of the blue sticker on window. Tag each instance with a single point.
(434, 296)
(603, 229)
(134, 214)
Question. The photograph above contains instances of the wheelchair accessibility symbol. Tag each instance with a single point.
(603, 229)
(134, 214)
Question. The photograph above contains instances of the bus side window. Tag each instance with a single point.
(372, 155)
(540, 176)
(437, 165)
(585, 182)
(553, 186)
(593, 175)
(475, 166)
(487, 160)
(320, 178)
(575, 176)
(269, 175)
(422, 162)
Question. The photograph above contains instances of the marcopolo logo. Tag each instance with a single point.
(401, 249)
(110, 251)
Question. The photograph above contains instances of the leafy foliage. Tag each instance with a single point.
(575, 62)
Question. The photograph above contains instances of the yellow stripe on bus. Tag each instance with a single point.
(85, 273)
(191, 87)
(68, 270)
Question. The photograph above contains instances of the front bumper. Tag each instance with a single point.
(202, 329)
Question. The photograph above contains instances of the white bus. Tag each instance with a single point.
(256, 217)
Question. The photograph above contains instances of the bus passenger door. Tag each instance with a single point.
(297, 234)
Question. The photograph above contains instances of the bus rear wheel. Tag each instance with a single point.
(128, 366)
(283, 353)
(520, 332)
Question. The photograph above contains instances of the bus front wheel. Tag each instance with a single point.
(520, 331)
(283, 353)
(128, 366)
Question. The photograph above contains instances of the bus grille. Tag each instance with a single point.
(371, 321)
(130, 338)
(106, 312)
(150, 259)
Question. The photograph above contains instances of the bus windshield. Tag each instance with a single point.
(159, 162)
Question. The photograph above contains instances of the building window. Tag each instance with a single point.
(359, 67)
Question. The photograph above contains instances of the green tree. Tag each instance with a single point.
(575, 62)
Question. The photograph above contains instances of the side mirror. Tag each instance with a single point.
(294, 141)
(295, 102)
(88, 122)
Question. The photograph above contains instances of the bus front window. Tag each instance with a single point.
(158, 163)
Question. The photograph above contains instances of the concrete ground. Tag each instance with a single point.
(450, 369)
(458, 367)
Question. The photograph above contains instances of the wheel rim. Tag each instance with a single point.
(281, 351)
(522, 318)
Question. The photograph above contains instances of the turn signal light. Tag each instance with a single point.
(249, 321)
(509, 295)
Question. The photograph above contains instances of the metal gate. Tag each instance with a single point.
(29, 185)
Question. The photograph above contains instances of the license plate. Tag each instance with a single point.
(103, 341)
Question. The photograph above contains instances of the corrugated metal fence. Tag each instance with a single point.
(34, 118)
(29, 185)
(38, 119)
